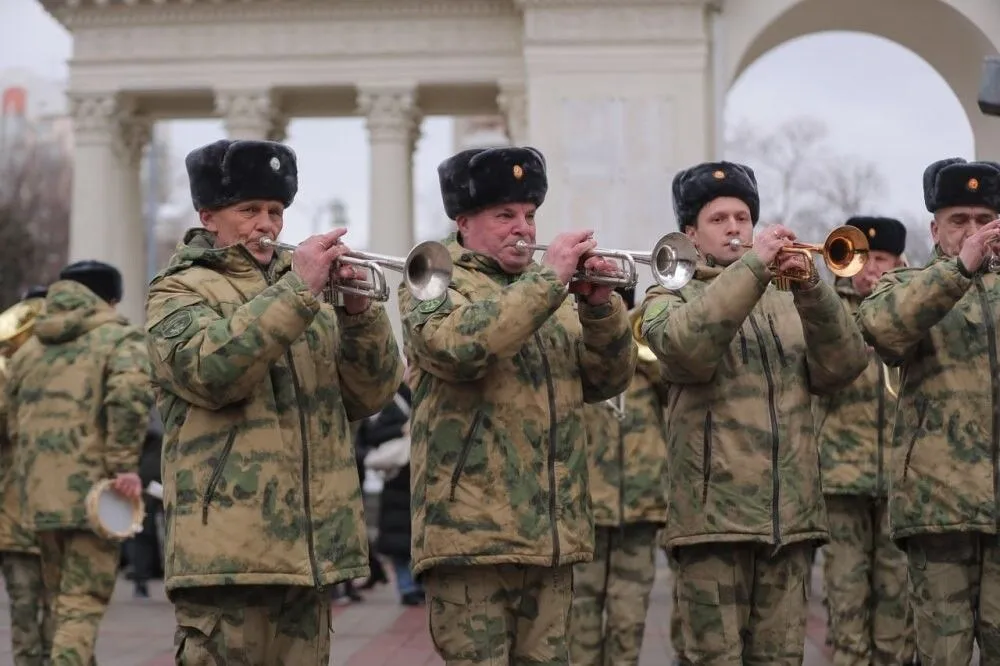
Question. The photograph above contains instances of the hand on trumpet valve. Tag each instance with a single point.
(565, 253)
(769, 242)
(980, 246)
(127, 484)
(313, 257)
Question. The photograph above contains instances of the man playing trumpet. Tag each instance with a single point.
(939, 324)
(745, 505)
(501, 367)
(257, 382)
(865, 572)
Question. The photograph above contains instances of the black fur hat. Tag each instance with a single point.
(227, 172)
(955, 182)
(102, 279)
(884, 233)
(37, 291)
(695, 187)
(481, 177)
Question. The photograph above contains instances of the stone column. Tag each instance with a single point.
(512, 101)
(107, 222)
(251, 114)
(392, 120)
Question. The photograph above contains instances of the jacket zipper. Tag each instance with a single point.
(991, 342)
(553, 431)
(706, 458)
(921, 415)
(464, 454)
(743, 347)
(213, 481)
(775, 480)
(879, 438)
(304, 434)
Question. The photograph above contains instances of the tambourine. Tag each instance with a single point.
(111, 515)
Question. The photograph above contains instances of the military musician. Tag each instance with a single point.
(742, 357)
(501, 367)
(257, 382)
(939, 325)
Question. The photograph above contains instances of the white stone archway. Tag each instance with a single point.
(953, 36)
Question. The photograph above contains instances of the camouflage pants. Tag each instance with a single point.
(273, 625)
(866, 585)
(80, 570)
(676, 630)
(611, 597)
(502, 615)
(743, 604)
(955, 585)
(30, 613)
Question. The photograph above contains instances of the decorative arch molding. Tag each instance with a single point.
(953, 36)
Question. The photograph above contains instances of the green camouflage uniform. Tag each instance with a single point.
(79, 397)
(30, 614)
(865, 572)
(501, 368)
(257, 382)
(941, 328)
(628, 496)
(745, 504)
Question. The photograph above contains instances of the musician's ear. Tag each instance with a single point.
(207, 218)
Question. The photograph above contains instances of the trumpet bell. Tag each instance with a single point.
(17, 323)
(673, 260)
(845, 251)
(428, 270)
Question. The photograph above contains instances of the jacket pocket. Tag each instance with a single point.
(213, 481)
(743, 347)
(706, 456)
(777, 341)
(470, 437)
(921, 415)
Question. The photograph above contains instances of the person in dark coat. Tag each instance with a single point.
(146, 550)
(394, 503)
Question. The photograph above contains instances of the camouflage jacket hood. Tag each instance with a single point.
(628, 455)
(940, 327)
(741, 359)
(257, 382)
(78, 400)
(854, 426)
(501, 368)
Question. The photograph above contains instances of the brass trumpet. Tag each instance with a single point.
(845, 252)
(672, 261)
(426, 272)
(17, 324)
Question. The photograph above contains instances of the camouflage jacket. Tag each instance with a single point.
(78, 396)
(13, 537)
(941, 328)
(854, 426)
(257, 382)
(742, 358)
(627, 454)
(501, 368)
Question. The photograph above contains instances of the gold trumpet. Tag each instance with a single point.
(672, 261)
(646, 354)
(17, 323)
(845, 252)
(426, 272)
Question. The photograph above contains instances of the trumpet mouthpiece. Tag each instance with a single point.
(735, 243)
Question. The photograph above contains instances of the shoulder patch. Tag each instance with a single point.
(176, 324)
(427, 307)
(653, 311)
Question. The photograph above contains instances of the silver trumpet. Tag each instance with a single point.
(672, 261)
(426, 271)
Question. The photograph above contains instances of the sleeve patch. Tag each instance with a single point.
(175, 324)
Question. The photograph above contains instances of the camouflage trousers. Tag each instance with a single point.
(611, 597)
(955, 586)
(500, 615)
(79, 569)
(676, 630)
(252, 625)
(866, 585)
(30, 613)
(743, 604)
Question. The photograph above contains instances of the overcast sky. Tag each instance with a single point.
(901, 115)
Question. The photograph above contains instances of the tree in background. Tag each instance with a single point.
(35, 195)
(813, 188)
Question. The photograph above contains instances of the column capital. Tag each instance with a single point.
(111, 119)
(391, 113)
(251, 114)
(512, 100)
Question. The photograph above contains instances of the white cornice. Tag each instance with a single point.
(110, 13)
